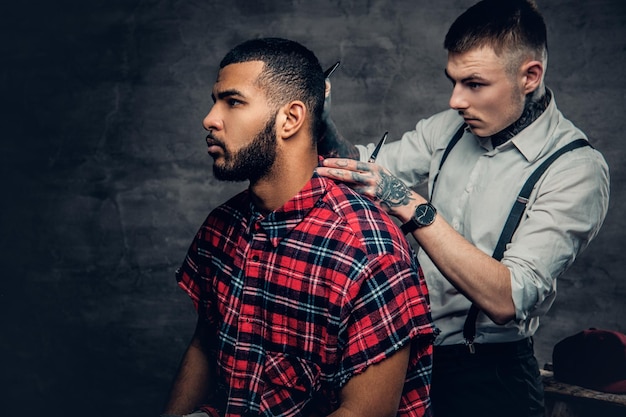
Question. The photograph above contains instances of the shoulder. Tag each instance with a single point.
(232, 211)
(444, 123)
(552, 132)
(586, 159)
(367, 222)
(359, 210)
(438, 129)
(565, 132)
(581, 165)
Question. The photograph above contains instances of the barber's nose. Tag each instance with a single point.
(212, 121)
(457, 99)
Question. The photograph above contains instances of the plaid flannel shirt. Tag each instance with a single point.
(302, 299)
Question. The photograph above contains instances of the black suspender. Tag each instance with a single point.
(515, 216)
(457, 136)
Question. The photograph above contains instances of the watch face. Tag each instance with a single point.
(424, 214)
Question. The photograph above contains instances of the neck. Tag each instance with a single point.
(284, 181)
(536, 104)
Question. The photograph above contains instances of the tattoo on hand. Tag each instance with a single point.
(392, 192)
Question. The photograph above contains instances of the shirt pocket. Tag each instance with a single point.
(290, 383)
(291, 372)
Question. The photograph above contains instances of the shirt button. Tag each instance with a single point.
(255, 258)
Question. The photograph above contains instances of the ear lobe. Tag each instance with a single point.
(533, 76)
(293, 117)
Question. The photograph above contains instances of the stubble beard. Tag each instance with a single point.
(252, 162)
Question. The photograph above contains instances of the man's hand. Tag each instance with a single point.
(376, 182)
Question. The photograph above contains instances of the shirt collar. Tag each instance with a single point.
(280, 222)
(528, 139)
(532, 111)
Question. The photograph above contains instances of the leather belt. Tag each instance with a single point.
(490, 349)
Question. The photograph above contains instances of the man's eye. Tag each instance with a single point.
(474, 86)
(233, 102)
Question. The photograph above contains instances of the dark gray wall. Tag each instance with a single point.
(105, 176)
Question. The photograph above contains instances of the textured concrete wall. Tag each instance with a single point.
(105, 176)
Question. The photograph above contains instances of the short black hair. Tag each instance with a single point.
(508, 26)
(291, 72)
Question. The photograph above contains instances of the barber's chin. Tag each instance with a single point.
(475, 129)
(479, 133)
(479, 130)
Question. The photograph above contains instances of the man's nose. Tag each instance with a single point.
(212, 121)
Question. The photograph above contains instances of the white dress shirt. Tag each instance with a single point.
(475, 191)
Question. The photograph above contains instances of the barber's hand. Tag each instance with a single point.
(373, 181)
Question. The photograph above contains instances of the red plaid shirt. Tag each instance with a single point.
(304, 298)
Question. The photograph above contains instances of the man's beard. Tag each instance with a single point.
(252, 162)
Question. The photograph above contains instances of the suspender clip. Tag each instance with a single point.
(470, 345)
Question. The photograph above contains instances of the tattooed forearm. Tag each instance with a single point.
(392, 192)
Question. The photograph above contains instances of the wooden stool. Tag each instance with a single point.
(565, 400)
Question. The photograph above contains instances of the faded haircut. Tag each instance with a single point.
(291, 72)
(514, 28)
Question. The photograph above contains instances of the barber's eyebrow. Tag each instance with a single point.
(227, 93)
(472, 77)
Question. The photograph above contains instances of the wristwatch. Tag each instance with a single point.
(424, 216)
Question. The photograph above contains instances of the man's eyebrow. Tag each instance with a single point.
(227, 93)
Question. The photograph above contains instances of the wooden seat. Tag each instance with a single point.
(566, 400)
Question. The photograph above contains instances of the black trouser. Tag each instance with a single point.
(500, 379)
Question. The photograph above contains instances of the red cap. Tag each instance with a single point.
(593, 359)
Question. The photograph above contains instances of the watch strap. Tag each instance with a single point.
(410, 226)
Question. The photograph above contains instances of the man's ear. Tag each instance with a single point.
(291, 118)
(532, 72)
